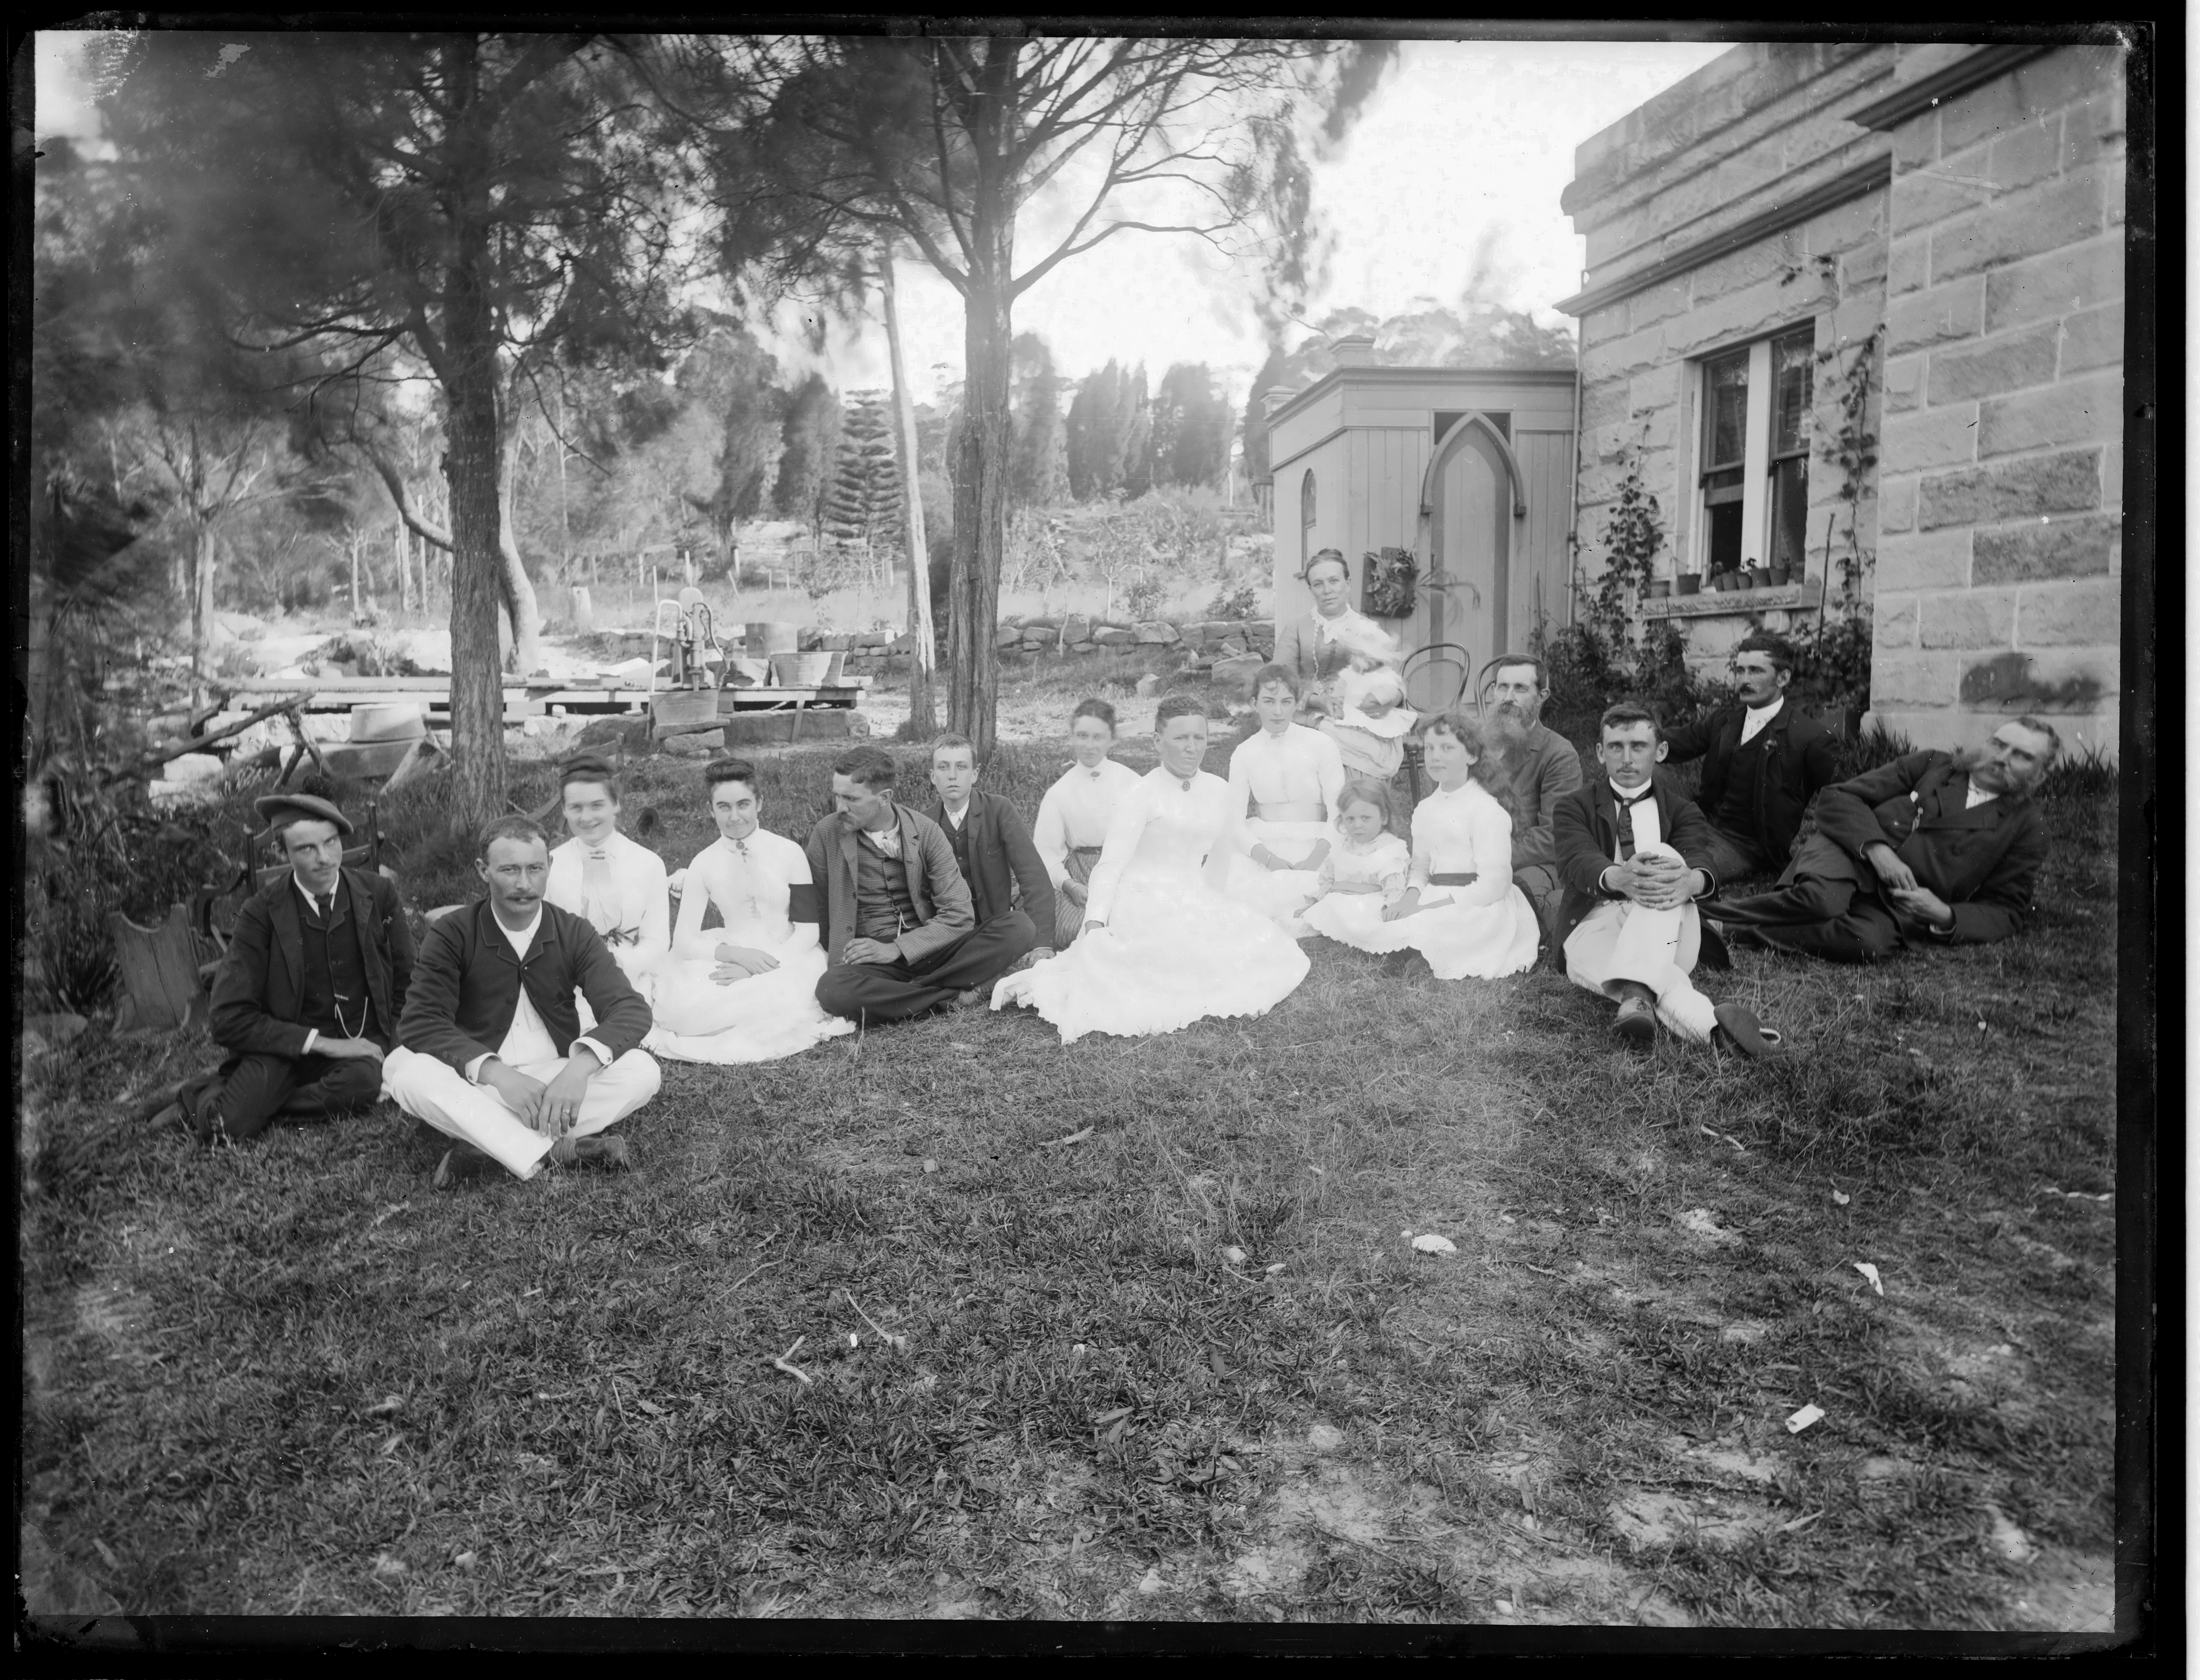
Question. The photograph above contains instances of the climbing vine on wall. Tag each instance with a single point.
(1852, 448)
(1634, 532)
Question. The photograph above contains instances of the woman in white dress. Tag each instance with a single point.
(1285, 779)
(616, 884)
(1368, 718)
(1074, 814)
(1163, 947)
(746, 992)
(1460, 909)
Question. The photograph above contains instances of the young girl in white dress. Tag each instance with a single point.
(746, 992)
(616, 884)
(1372, 745)
(1285, 779)
(1366, 872)
(1163, 947)
(1460, 909)
(1075, 812)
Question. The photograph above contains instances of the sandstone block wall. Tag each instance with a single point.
(2001, 469)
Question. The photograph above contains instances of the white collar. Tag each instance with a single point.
(1768, 708)
(958, 817)
(1626, 797)
(610, 843)
(308, 897)
(522, 938)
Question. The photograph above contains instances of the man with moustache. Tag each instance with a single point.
(1936, 848)
(1543, 767)
(490, 1050)
(1765, 757)
(306, 1000)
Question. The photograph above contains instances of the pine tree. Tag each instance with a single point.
(863, 503)
(1137, 469)
(1096, 442)
(1190, 427)
(1036, 477)
(812, 439)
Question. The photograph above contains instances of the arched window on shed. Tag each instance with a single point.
(1306, 517)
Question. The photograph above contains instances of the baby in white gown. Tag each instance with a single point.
(1372, 745)
(1163, 947)
(746, 992)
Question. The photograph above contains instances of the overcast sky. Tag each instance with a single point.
(1461, 138)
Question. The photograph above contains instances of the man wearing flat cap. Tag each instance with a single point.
(308, 999)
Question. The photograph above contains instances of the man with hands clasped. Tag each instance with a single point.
(490, 1048)
(1938, 847)
(1635, 856)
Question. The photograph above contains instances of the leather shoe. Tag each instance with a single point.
(1637, 1023)
(610, 1154)
(1758, 1043)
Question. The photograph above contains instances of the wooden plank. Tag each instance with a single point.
(1722, 603)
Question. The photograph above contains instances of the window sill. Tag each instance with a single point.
(1736, 603)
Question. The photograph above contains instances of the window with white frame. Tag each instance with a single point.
(1754, 476)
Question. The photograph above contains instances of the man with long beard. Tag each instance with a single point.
(1543, 767)
(1939, 848)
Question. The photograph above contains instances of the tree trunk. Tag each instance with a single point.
(522, 613)
(981, 479)
(923, 720)
(355, 577)
(201, 608)
(470, 461)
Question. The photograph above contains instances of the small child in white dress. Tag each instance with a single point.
(1373, 745)
(1364, 873)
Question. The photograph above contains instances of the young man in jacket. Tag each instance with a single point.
(1765, 757)
(900, 935)
(993, 846)
(306, 1000)
(490, 1047)
(1936, 848)
(1636, 857)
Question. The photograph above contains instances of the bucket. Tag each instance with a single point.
(387, 722)
(800, 671)
(765, 637)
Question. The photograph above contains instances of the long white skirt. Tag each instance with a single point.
(1175, 951)
(1278, 894)
(760, 1019)
(1482, 941)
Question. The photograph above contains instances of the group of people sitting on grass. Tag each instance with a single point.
(530, 1021)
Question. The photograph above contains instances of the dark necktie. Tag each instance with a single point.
(1625, 809)
(325, 907)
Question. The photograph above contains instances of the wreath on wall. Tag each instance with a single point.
(1390, 575)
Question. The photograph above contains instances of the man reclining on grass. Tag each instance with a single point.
(1937, 847)
(1634, 855)
(900, 933)
(490, 1050)
(308, 998)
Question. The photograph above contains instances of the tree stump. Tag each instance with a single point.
(160, 970)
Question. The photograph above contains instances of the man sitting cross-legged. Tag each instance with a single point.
(992, 847)
(490, 1048)
(899, 931)
(1634, 854)
(306, 1000)
(1942, 848)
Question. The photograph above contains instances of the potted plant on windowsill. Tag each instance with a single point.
(1760, 575)
(1688, 583)
(1780, 577)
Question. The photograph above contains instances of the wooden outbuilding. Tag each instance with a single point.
(1470, 469)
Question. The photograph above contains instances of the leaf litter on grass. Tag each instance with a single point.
(1581, 1347)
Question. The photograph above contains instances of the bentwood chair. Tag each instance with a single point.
(1429, 670)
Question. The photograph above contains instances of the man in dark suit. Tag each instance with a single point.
(993, 846)
(901, 937)
(1635, 856)
(308, 999)
(1937, 847)
(1542, 767)
(490, 1048)
(1765, 757)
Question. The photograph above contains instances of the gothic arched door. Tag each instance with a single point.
(1470, 534)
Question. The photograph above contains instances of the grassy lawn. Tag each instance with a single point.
(1131, 1329)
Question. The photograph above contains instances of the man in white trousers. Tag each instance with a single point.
(490, 1050)
(1635, 856)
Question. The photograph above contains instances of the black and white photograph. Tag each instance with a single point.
(1153, 833)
